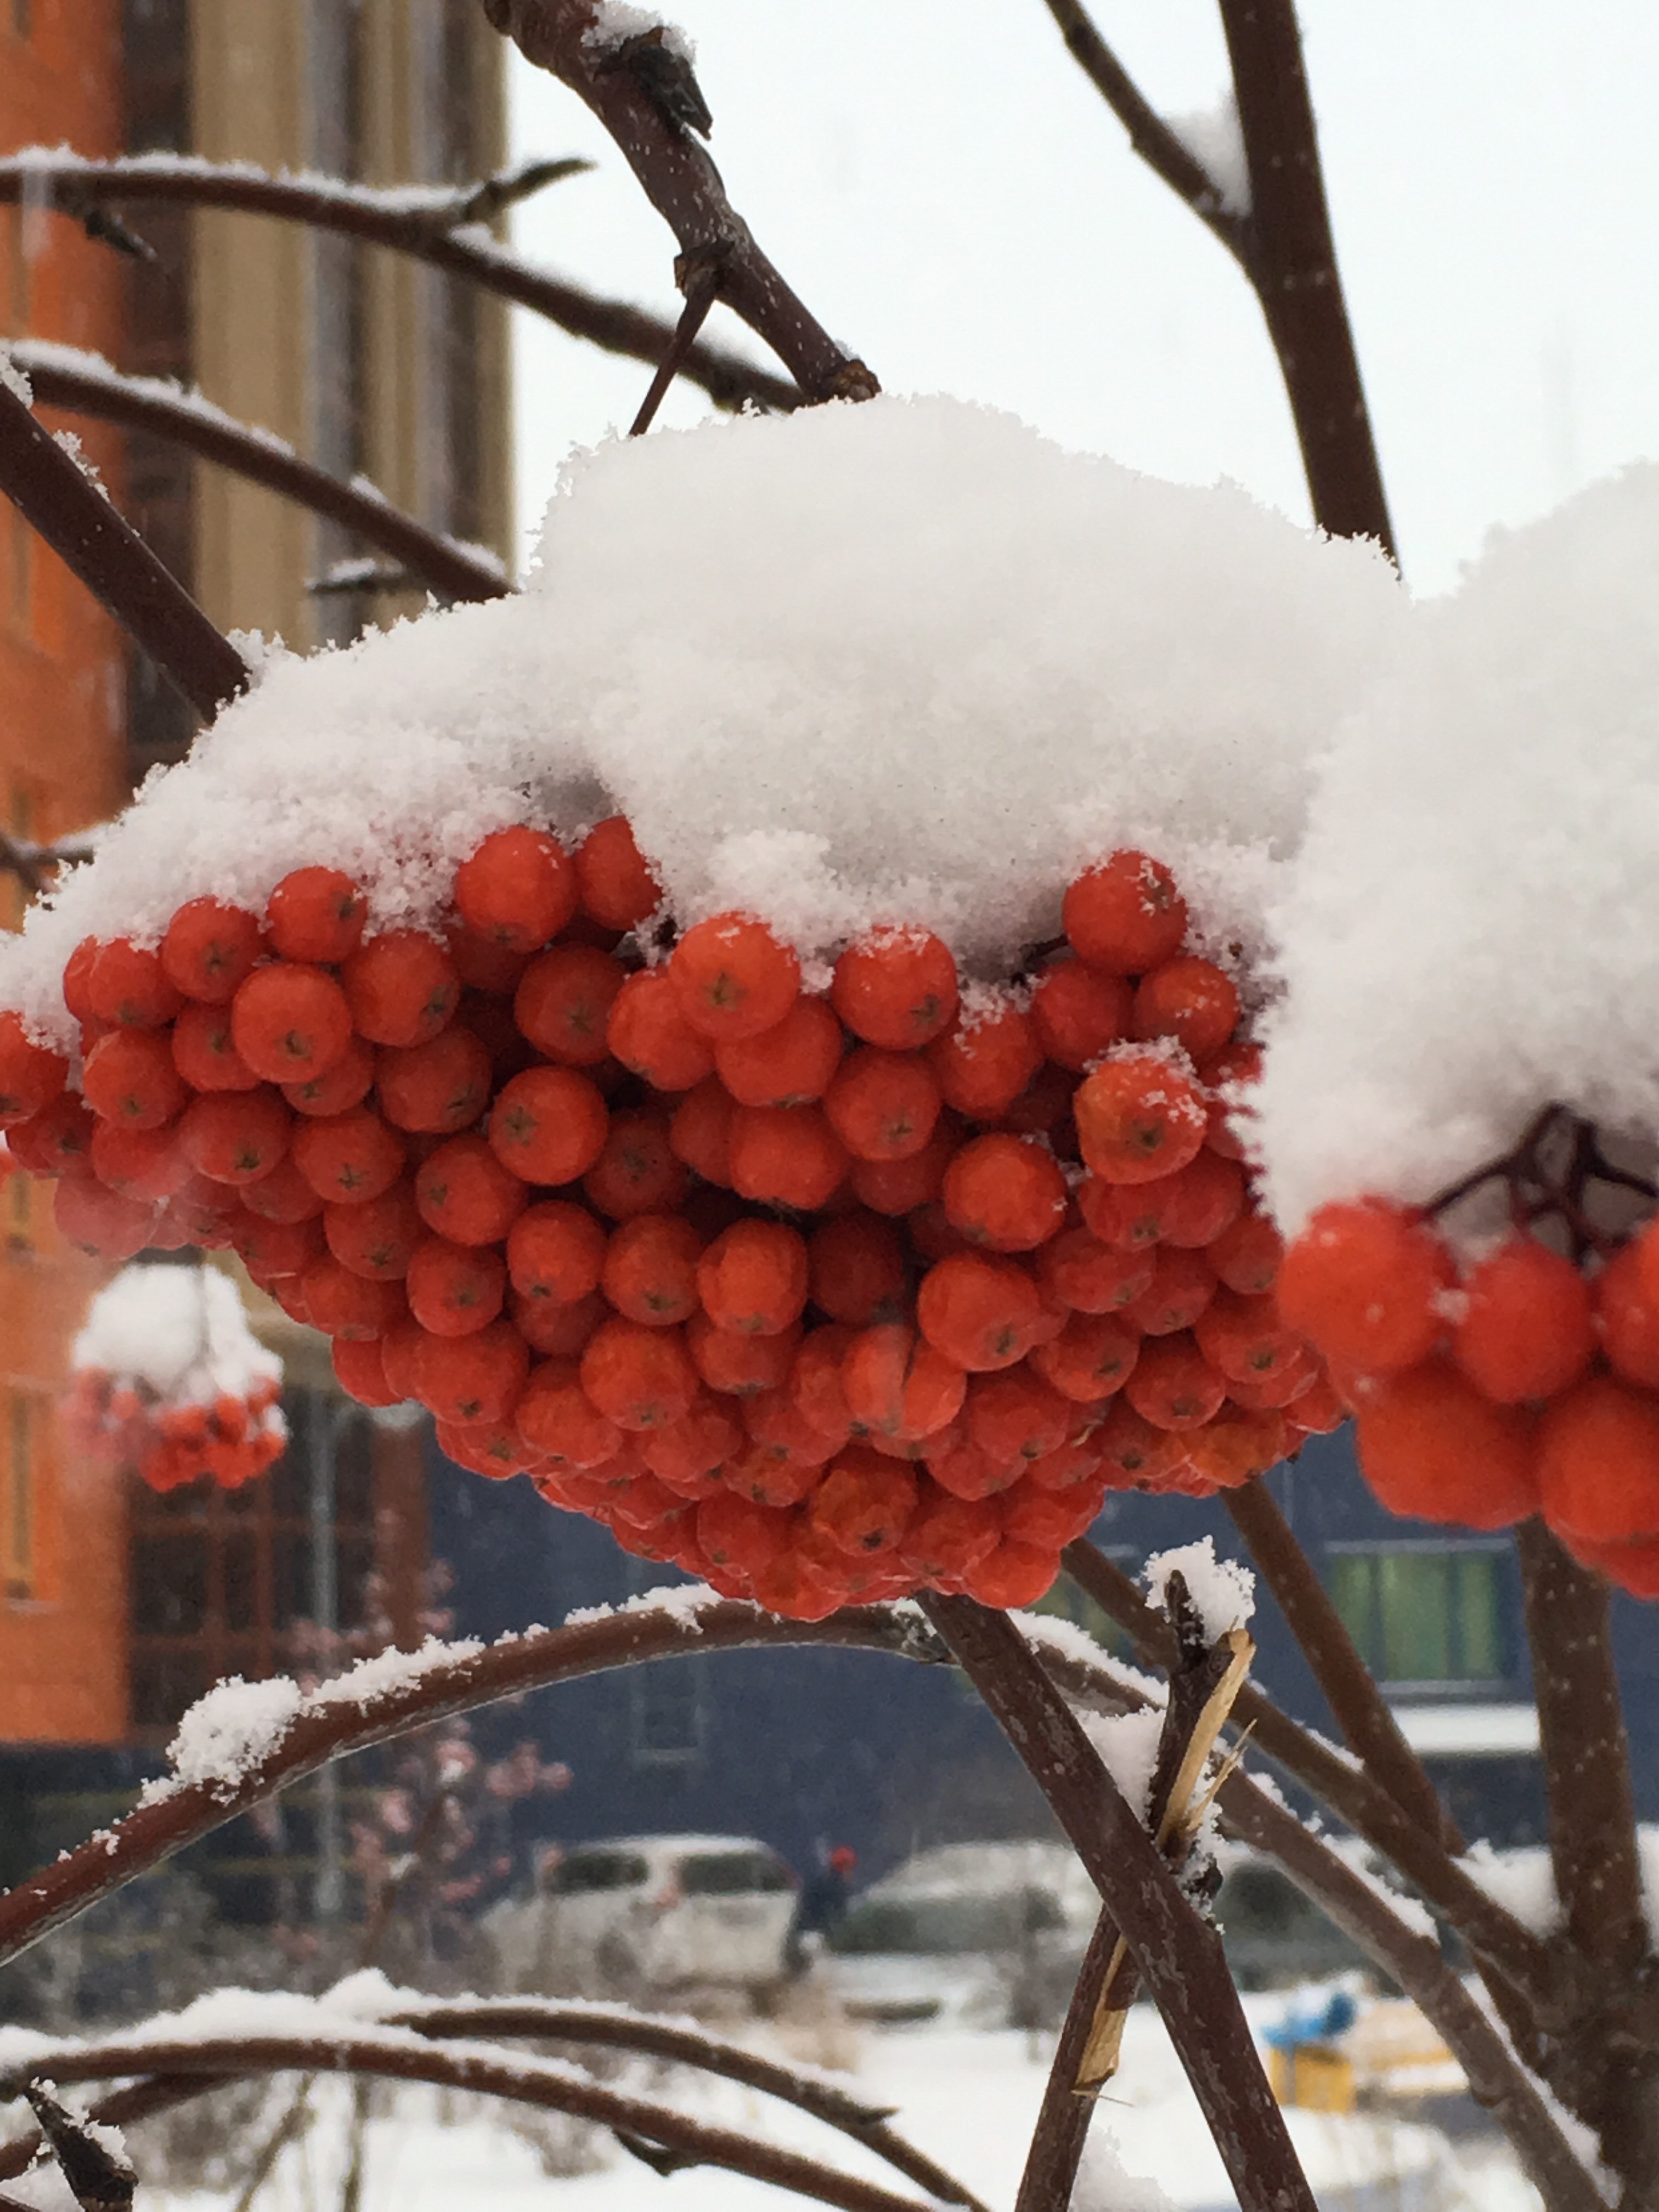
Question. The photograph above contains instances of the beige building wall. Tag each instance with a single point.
(398, 92)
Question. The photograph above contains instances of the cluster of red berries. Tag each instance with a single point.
(1522, 1383)
(231, 1440)
(822, 1296)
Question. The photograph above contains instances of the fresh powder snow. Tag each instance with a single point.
(179, 1332)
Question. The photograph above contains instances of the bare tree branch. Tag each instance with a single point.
(1178, 1953)
(387, 219)
(85, 383)
(684, 186)
(1350, 1689)
(71, 511)
(1163, 150)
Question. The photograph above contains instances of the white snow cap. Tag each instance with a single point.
(1223, 1591)
(906, 661)
(180, 1331)
(1473, 928)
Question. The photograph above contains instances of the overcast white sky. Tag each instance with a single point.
(950, 196)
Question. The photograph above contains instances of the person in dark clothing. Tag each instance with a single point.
(821, 1905)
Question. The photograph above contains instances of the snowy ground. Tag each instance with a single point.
(968, 2098)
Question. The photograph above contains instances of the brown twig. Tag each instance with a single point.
(385, 219)
(1292, 263)
(1165, 152)
(701, 290)
(542, 2083)
(1350, 1689)
(332, 1725)
(49, 489)
(1521, 1958)
(1062, 2123)
(1179, 1955)
(85, 385)
(684, 186)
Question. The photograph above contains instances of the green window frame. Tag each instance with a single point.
(1428, 1613)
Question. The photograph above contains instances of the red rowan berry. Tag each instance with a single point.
(563, 1000)
(1005, 1193)
(1093, 1355)
(475, 1378)
(980, 1310)
(1190, 1000)
(488, 969)
(276, 1248)
(518, 890)
(637, 1171)
(882, 1105)
(1173, 1386)
(1016, 1415)
(770, 1477)
(895, 988)
(454, 1289)
(1078, 1013)
(1318, 1410)
(1364, 1283)
(1081, 1273)
(349, 1159)
(548, 1125)
(893, 1188)
(464, 1194)
(740, 1362)
(946, 1536)
(1627, 1317)
(754, 1278)
(128, 1077)
(31, 1075)
(986, 1058)
(864, 1503)
(1433, 1447)
(1527, 1328)
(648, 1032)
(733, 977)
(377, 1237)
(1237, 1447)
(699, 1133)
(341, 1304)
(688, 1454)
(436, 1088)
(1246, 1339)
(1598, 1462)
(316, 915)
(290, 1024)
(401, 986)
(559, 1331)
(1181, 1290)
(1246, 1255)
(1125, 914)
(896, 1385)
(284, 1196)
(209, 948)
(642, 1378)
(346, 1085)
(1014, 1575)
(128, 987)
(55, 1141)
(1139, 1117)
(619, 890)
(235, 1137)
(1228, 1079)
(650, 1272)
(360, 1372)
(857, 1269)
(146, 1164)
(554, 1252)
(734, 1532)
(784, 1156)
(100, 1221)
(790, 1064)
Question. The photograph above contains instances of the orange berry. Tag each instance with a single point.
(31, 1075)
(1015, 1574)
(776, 1424)
(436, 1088)
(1598, 1462)
(454, 1289)
(619, 890)
(735, 1534)
(1364, 1283)
(699, 1135)
(548, 1125)
(650, 1272)
(1433, 1446)
(1180, 1288)
(814, 1383)
(986, 1058)
(100, 1221)
(77, 979)
(146, 1164)
(346, 1085)
(474, 1378)
(128, 1077)
(316, 915)
(1173, 1386)
(1196, 1206)
(466, 1194)
(648, 1032)
(754, 1278)
(377, 1238)
(966, 1472)
(1074, 1465)
(128, 987)
(1527, 1328)
(640, 1377)
(789, 1064)
(361, 1371)
(563, 1000)
(556, 1252)
(637, 1170)
(518, 890)
(980, 1310)
(235, 1136)
(341, 1304)
(284, 1196)
(1139, 1117)
(864, 1503)
(1237, 1447)
(554, 1418)
(1050, 1520)
(209, 948)
(1092, 1356)
(1627, 1317)
(895, 988)
(857, 1269)
(1126, 914)
(897, 1384)
(1247, 1254)
(1078, 1013)
(1190, 1000)
(290, 1022)
(946, 1536)
(1018, 1416)
(897, 1186)
(559, 1331)
(733, 977)
(55, 1139)
(349, 1159)
(1133, 1452)
(1005, 1193)
(1246, 1338)
(688, 1454)
(482, 966)
(740, 1362)
(784, 1156)
(1082, 1273)
(401, 986)
(882, 1105)
(770, 1477)
(1318, 1410)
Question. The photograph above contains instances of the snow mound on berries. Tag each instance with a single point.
(1472, 930)
(179, 1330)
(904, 661)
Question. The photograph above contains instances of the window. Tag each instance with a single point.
(734, 1874)
(666, 1711)
(584, 1873)
(1423, 1613)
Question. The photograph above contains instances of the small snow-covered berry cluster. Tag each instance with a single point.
(824, 1293)
(167, 1378)
(1516, 1377)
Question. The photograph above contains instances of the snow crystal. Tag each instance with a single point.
(684, 1603)
(386, 1673)
(1215, 141)
(180, 1331)
(1521, 1881)
(1128, 1744)
(13, 378)
(228, 1733)
(1223, 1591)
(1067, 1640)
(904, 661)
(1473, 928)
(616, 21)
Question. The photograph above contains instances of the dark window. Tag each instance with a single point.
(584, 1873)
(733, 1874)
(1424, 1613)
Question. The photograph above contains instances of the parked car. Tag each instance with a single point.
(975, 1934)
(646, 1914)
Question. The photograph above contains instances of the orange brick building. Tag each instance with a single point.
(117, 1607)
